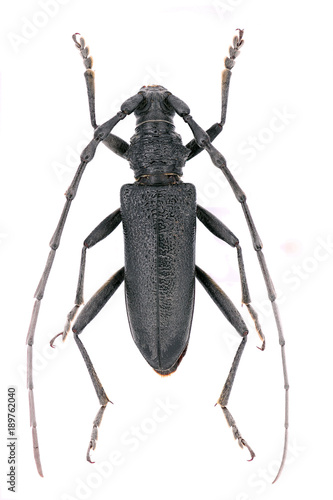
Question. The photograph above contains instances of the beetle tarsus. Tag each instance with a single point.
(70, 317)
(257, 325)
(94, 433)
(89, 75)
(235, 431)
(92, 446)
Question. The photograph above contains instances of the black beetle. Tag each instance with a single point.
(158, 213)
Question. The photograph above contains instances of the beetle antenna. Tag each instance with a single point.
(89, 75)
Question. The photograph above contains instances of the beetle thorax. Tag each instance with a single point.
(156, 149)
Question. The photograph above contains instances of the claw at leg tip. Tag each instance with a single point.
(251, 453)
(53, 339)
(262, 348)
(78, 45)
(89, 457)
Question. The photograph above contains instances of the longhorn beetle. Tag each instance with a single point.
(158, 213)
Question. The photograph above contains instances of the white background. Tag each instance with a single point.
(285, 69)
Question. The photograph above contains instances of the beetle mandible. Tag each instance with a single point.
(158, 213)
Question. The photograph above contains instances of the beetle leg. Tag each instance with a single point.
(229, 63)
(103, 230)
(212, 132)
(224, 398)
(92, 308)
(116, 144)
(101, 133)
(220, 162)
(217, 227)
(230, 312)
(89, 75)
(202, 138)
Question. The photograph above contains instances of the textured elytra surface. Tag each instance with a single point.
(159, 235)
